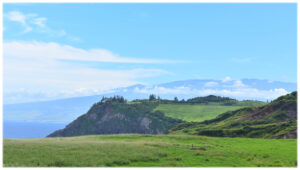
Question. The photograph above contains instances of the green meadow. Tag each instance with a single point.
(195, 112)
(149, 151)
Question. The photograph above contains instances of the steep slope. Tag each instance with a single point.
(277, 119)
(114, 117)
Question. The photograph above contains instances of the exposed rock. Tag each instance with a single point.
(115, 118)
(145, 122)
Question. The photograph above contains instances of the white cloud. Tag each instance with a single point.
(211, 84)
(238, 93)
(19, 17)
(253, 93)
(226, 87)
(53, 51)
(238, 83)
(39, 22)
(37, 67)
(27, 20)
(162, 90)
(232, 83)
(226, 79)
(32, 22)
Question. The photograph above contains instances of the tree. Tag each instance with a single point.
(152, 97)
(103, 99)
(118, 99)
(158, 98)
(176, 99)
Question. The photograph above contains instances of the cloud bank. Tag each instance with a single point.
(37, 68)
(54, 51)
(237, 93)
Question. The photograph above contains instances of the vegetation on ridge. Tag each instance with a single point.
(277, 119)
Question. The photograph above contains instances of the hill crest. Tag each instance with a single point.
(277, 119)
(114, 117)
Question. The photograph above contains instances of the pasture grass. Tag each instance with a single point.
(131, 150)
(194, 112)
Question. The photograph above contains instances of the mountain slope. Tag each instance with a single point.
(277, 119)
(114, 117)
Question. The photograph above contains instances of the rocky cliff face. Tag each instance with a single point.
(116, 118)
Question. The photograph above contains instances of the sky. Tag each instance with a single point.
(83, 49)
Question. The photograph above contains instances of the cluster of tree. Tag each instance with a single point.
(154, 98)
(211, 98)
(205, 100)
(119, 99)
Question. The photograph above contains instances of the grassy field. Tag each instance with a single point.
(196, 112)
(149, 151)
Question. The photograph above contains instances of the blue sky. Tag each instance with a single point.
(147, 43)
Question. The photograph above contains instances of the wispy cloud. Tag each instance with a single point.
(37, 67)
(74, 39)
(19, 17)
(40, 22)
(54, 51)
(33, 22)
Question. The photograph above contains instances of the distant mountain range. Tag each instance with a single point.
(66, 110)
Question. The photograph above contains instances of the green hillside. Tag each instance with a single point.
(277, 119)
(202, 108)
(194, 112)
(149, 151)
